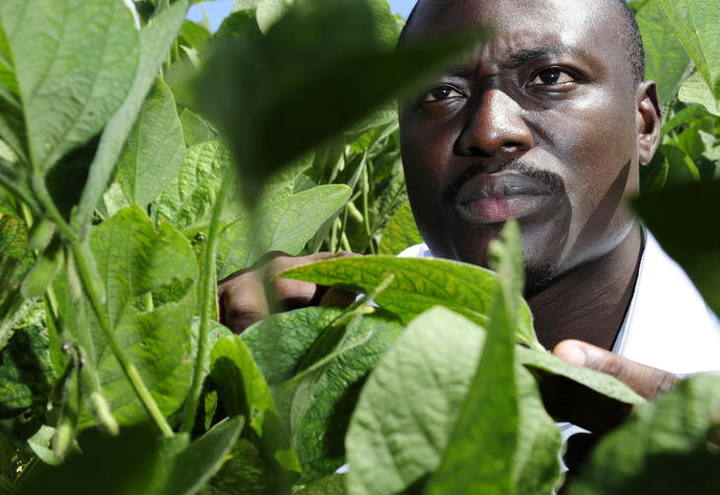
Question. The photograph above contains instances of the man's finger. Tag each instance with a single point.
(645, 380)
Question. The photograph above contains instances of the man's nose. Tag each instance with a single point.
(494, 126)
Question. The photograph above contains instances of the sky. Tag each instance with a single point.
(218, 10)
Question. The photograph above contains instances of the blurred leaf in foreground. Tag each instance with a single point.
(321, 67)
(667, 444)
(679, 218)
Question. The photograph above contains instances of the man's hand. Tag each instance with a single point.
(579, 405)
(242, 296)
(645, 380)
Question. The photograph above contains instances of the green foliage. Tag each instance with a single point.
(419, 284)
(120, 210)
(664, 445)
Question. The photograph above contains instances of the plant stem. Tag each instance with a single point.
(207, 301)
(87, 278)
(95, 294)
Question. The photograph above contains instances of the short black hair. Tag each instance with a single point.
(627, 27)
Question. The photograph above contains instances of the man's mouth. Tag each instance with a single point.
(495, 198)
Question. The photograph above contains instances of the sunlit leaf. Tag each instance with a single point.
(154, 151)
(75, 61)
(287, 224)
(419, 285)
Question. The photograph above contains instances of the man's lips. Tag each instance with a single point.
(495, 198)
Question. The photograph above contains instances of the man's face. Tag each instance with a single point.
(540, 123)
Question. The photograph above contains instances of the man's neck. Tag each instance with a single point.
(590, 301)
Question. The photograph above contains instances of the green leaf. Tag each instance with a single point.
(155, 40)
(195, 35)
(159, 344)
(696, 27)
(133, 258)
(244, 472)
(482, 447)
(665, 58)
(323, 401)
(287, 224)
(303, 69)
(242, 389)
(536, 466)
(137, 461)
(672, 216)
(26, 375)
(419, 285)
(239, 25)
(197, 464)
(602, 383)
(154, 151)
(270, 11)
(195, 129)
(663, 446)
(279, 342)
(696, 90)
(330, 485)
(75, 61)
(401, 232)
(409, 403)
(189, 198)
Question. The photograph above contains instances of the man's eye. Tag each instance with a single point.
(442, 93)
(551, 77)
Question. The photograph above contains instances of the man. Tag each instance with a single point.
(548, 122)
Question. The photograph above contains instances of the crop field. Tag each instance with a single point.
(143, 159)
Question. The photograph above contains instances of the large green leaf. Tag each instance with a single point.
(696, 27)
(696, 90)
(189, 197)
(287, 224)
(75, 61)
(243, 389)
(305, 67)
(401, 232)
(481, 449)
(154, 151)
(409, 403)
(155, 41)
(665, 58)
(279, 342)
(419, 285)
(691, 239)
(133, 258)
(160, 345)
(663, 447)
(323, 401)
(195, 129)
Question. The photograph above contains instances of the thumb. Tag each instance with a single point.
(645, 380)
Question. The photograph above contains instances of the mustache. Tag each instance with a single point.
(551, 180)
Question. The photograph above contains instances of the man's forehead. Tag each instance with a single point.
(516, 23)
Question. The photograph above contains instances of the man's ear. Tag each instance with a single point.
(649, 120)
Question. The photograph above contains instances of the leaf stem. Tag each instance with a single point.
(207, 301)
(94, 291)
(94, 294)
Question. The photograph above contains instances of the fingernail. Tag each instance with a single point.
(572, 354)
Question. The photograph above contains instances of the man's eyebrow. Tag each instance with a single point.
(526, 55)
